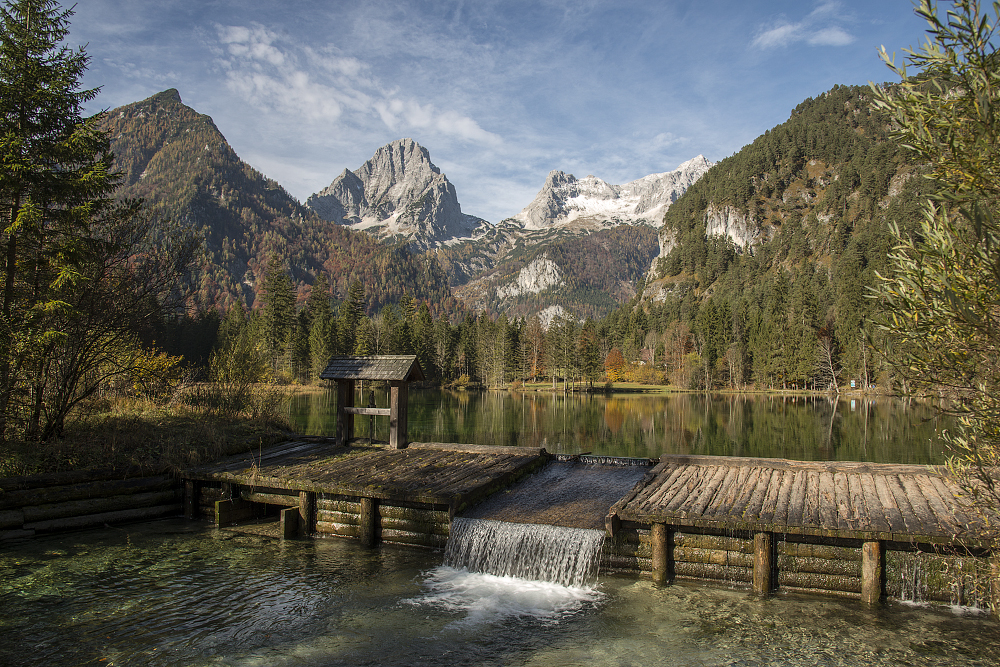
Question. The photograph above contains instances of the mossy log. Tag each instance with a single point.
(82, 491)
(435, 541)
(743, 575)
(87, 521)
(819, 582)
(715, 542)
(729, 558)
(799, 550)
(342, 529)
(330, 516)
(847, 568)
(424, 527)
(99, 505)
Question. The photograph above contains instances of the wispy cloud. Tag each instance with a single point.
(821, 27)
(324, 88)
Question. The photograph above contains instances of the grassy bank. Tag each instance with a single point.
(156, 435)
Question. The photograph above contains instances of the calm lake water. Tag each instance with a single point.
(807, 428)
(177, 592)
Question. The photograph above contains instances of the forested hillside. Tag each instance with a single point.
(179, 162)
(766, 260)
(594, 273)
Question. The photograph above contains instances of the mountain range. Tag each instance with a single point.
(395, 224)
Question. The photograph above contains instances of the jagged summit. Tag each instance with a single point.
(565, 198)
(398, 192)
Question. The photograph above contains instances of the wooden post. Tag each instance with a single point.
(873, 572)
(345, 420)
(231, 511)
(368, 522)
(763, 563)
(306, 512)
(398, 393)
(662, 539)
(289, 523)
(191, 497)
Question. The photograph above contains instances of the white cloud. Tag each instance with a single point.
(330, 88)
(820, 28)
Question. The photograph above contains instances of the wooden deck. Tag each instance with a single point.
(431, 473)
(898, 503)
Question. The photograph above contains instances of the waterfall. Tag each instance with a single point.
(566, 556)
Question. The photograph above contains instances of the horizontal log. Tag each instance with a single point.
(99, 505)
(72, 477)
(270, 498)
(717, 542)
(329, 516)
(121, 516)
(16, 534)
(819, 582)
(625, 563)
(350, 506)
(743, 575)
(627, 549)
(83, 491)
(799, 550)
(11, 519)
(373, 412)
(341, 529)
(727, 558)
(423, 527)
(848, 568)
(413, 514)
(419, 539)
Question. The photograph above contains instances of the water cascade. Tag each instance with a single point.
(566, 556)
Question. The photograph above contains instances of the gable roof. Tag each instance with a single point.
(400, 367)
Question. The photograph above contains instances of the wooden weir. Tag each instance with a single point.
(832, 511)
(769, 524)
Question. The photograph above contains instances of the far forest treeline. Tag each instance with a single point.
(791, 311)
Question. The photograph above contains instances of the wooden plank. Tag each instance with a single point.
(827, 518)
(791, 514)
(927, 523)
(731, 486)
(910, 523)
(748, 489)
(752, 511)
(888, 503)
(686, 490)
(945, 516)
(841, 489)
(876, 512)
(775, 488)
(665, 488)
(373, 412)
(708, 491)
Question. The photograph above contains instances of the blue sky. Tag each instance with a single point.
(500, 93)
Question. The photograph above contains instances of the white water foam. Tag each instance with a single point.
(495, 570)
(488, 598)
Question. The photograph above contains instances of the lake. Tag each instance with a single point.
(807, 428)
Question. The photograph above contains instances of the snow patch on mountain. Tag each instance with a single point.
(565, 199)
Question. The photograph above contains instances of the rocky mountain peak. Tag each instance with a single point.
(565, 199)
(398, 192)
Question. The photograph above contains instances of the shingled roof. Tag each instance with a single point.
(401, 367)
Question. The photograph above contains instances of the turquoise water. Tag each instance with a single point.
(807, 428)
(174, 592)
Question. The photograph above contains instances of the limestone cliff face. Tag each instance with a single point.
(565, 199)
(744, 231)
(541, 274)
(398, 192)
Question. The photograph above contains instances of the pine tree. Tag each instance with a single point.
(278, 311)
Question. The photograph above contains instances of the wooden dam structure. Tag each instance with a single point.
(765, 524)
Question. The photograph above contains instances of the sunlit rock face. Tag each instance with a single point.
(397, 193)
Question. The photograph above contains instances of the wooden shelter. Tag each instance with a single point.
(397, 370)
